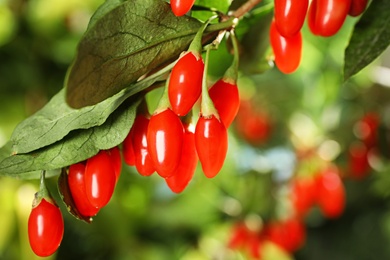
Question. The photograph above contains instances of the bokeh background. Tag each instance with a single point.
(310, 111)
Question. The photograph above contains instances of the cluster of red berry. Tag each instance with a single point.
(288, 234)
(324, 17)
(323, 188)
(91, 184)
(165, 141)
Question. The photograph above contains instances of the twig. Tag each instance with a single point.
(245, 8)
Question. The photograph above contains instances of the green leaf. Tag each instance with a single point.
(130, 40)
(77, 146)
(370, 38)
(57, 119)
(5, 152)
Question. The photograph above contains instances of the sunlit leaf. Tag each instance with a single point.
(371, 36)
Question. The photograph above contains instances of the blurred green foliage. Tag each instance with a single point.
(144, 219)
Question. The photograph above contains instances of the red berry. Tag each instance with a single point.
(289, 234)
(357, 7)
(254, 243)
(77, 188)
(187, 164)
(165, 140)
(359, 166)
(287, 50)
(128, 149)
(45, 228)
(331, 193)
(211, 143)
(367, 129)
(185, 83)
(100, 179)
(304, 194)
(253, 125)
(325, 17)
(181, 7)
(116, 160)
(239, 236)
(143, 161)
(290, 16)
(226, 100)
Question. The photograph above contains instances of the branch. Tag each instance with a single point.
(245, 8)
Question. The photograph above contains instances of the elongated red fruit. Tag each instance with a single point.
(116, 161)
(77, 188)
(290, 16)
(325, 17)
(181, 7)
(165, 140)
(100, 179)
(143, 161)
(226, 100)
(287, 50)
(128, 149)
(45, 228)
(185, 83)
(187, 164)
(357, 7)
(211, 143)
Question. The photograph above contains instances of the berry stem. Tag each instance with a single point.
(231, 73)
(43, 192)
(196, 44)
(207, 106)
